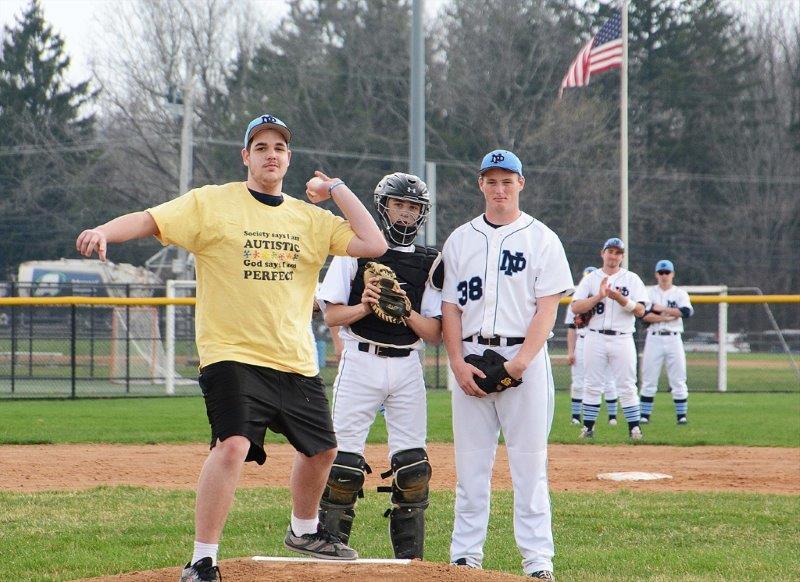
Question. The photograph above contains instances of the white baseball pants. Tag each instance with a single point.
(363, 383)
(524, 414)
(614, 354)
(579, 378)
(664, 350)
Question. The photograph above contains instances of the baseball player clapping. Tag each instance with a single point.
(615, 297)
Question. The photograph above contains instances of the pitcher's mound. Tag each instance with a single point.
(248, 570)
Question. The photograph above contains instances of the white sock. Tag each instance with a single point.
(304, 526)
(202, 550)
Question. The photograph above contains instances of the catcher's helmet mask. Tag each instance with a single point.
(409, 188)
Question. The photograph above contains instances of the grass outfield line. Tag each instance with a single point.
(715, 419)
(622, 536)
(753, 372)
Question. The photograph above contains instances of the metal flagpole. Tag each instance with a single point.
(623, 138)
(416, 152)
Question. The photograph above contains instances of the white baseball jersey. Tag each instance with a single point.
(494, 275)
(672, 297)
(609, 314)
(338, 282)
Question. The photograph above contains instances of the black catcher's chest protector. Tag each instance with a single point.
(412, 271)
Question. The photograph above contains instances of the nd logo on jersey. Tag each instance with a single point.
(511, 264)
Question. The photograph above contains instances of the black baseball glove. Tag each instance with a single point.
(582, 319)
(497, 377)
(393, 306)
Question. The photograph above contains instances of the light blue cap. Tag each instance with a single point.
(665, 265)
(589, 270)
(614, 242)
(266, 122)
(503, 159)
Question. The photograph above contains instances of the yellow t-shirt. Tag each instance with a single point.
(257, 272)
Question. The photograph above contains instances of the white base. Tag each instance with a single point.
(633, 476)
(321, 561)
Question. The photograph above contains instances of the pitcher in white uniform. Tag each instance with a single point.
(381, 368)
(664, 344)
(575, 360)
(504, 274)
(616, 297)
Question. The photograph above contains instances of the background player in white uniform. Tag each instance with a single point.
(504, 274)
(617, 297)
(381, 366)
(663, 344)
(575, 360)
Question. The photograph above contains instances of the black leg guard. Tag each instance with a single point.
(345, 482)
(409, 489)
(407, 532)
(337, 519)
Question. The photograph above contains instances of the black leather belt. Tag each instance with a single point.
(608, 331)
(665, 332)
(384, 351)
(495, 340)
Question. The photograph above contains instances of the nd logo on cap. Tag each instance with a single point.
(502, 159)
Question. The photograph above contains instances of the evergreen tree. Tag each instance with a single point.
(42, 131)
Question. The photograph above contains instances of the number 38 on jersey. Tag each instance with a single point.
(471, 290)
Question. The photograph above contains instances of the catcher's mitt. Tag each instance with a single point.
(582, 319)
(497, 377)
(393, 305)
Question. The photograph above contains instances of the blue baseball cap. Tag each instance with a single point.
(503, 159)
(614, 242)
(665, 265)
(266, 122)
(589, 270)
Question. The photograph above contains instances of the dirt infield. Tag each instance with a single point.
(246, 570)
(27, 468)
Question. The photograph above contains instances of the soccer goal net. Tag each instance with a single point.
(137, 353)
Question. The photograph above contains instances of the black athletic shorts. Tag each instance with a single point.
(246, 400)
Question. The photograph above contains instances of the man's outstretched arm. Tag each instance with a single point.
(121, 229)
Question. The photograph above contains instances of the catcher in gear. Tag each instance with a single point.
(386, 308)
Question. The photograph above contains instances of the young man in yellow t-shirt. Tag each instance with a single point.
(258, 256)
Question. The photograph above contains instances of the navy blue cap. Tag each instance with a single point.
(665, 265)
(503, 159)
(266, 122)
(614, 242)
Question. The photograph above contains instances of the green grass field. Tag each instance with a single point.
(609, 536)
(49, 374)
(624, 535)
(715, 419)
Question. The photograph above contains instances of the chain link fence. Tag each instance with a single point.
(98, 350)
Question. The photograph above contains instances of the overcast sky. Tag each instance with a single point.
(75, 21)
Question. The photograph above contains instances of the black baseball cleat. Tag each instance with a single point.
(463, 562)
(682, 420)
(542, 575)
(201, 571)
(320, 544)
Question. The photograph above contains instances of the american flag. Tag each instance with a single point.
(601, 53)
